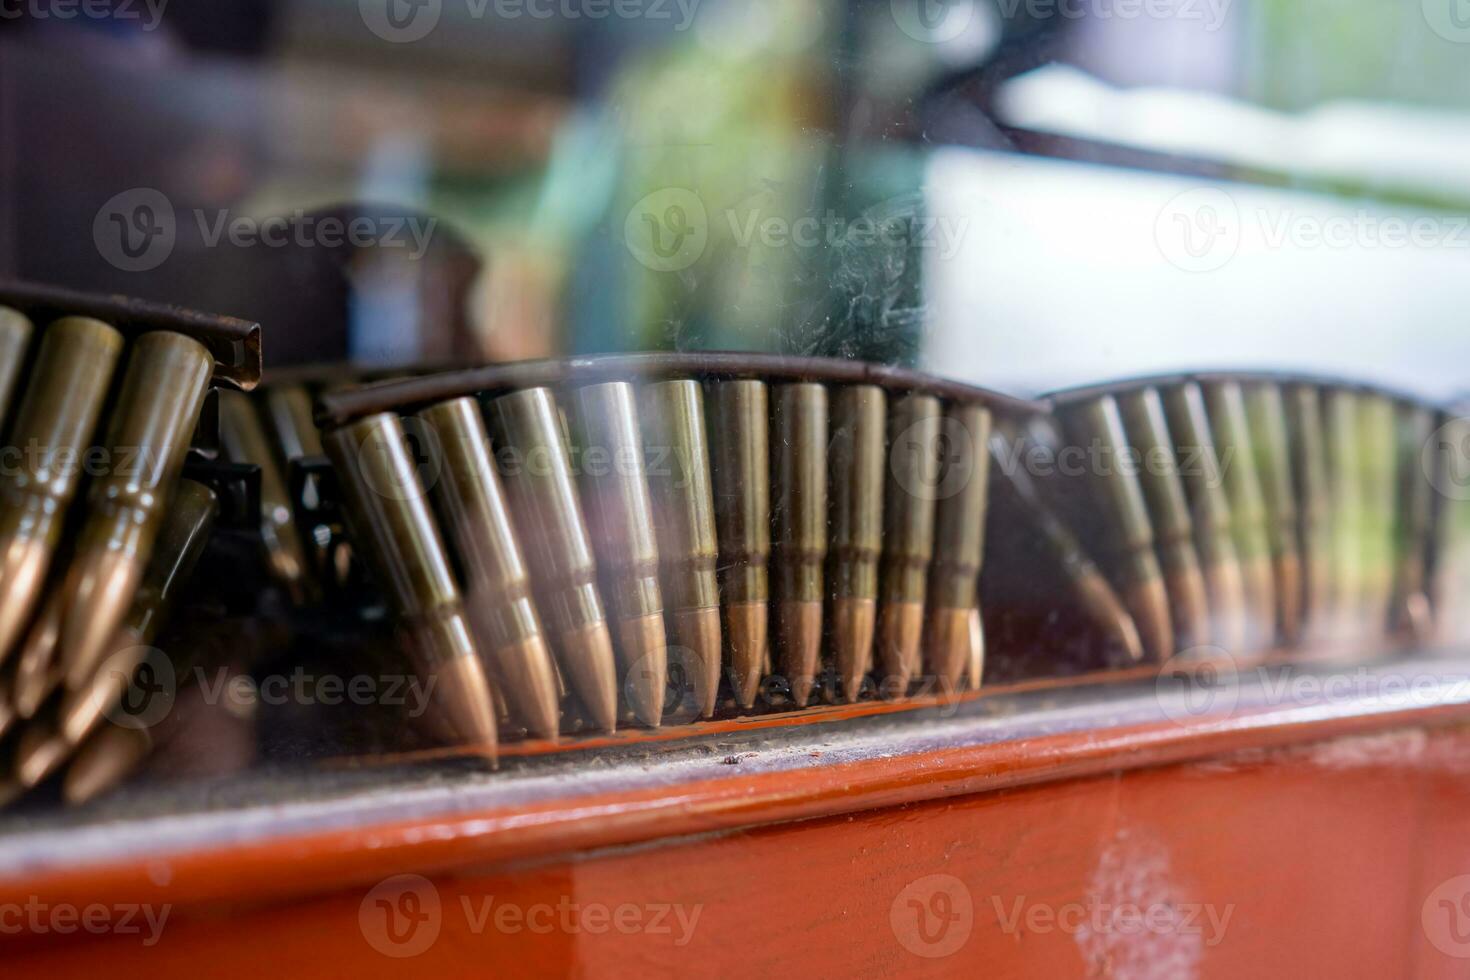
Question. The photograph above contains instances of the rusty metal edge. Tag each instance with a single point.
(1063, 397)
(405, 394)
(235, 343)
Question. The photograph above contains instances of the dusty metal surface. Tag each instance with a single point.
(160, 819)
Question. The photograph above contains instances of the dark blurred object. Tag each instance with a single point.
(379, 304)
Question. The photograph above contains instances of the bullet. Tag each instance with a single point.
(1201, 472)
(1378, 456)
(288, 410)
(1266, 417)
(857, 458)
(1225, 403)
(473, 512)
(244, 439)
(537, 474)
(740, 424)
(680, 485)
(620, 514)
(40, 751)
(1314, 506)
(1016, 493)
(1345, 484)
(7, 706)
(53, 427)
(181, 542)
(959, 543)
(1451, 585)
(909, 498)
(15, 336)
(1123, 530)
(387, 509)
(1147, 431)
(108, 757)
(148, 437)
(799, 546)
(38, 671)
(976, 671)
(1412, 524)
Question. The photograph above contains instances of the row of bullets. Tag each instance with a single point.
(581, 547)
(1252, 514)
(98, 530)
(616, 549)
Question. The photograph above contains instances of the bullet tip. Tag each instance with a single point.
(699, 631)
(1149, 603)
(467, 705)
(645, 659)
(947, 646)
(853, 623)
(900, 627)
(748, 653)
(587, 660)
(799, 625)
(98, 594)
(39, 754)
(528, 684)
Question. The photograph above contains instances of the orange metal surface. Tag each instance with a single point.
(1304, 860)
(1266, 844)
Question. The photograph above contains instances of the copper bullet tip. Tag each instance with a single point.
(36, 672)
(853, 623)
(977, 650)
(800, 628)
(1189, 605)
(528, 685)
(10, 791)
(947, 646)
(699, 630)
(645, 657)
(103, 762)
(587, 660)
(40, 752)
(1288, 597)
(100, 590)
(1149, 604)
(22, 569)
(900, 628)
(466, 705)
(748, 649)
(83, 708)
(1227, 606)
(1260, 596)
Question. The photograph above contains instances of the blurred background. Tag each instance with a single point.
(1017, 193)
